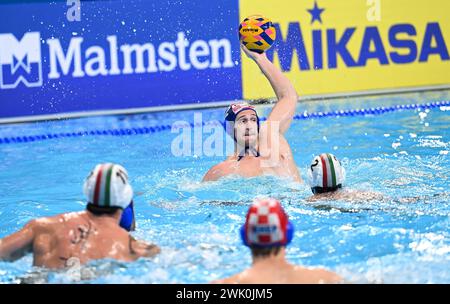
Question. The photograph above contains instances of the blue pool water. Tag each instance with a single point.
(403, 154)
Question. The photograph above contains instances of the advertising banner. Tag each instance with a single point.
(344, 47)
(120, 54)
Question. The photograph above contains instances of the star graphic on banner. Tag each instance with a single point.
(315, 13)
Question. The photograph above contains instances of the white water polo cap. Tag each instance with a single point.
(325, 173)
(107, 186)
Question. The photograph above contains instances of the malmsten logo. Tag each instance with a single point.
(21, 60)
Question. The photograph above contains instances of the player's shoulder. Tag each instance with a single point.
(59, 219)
(216, 171)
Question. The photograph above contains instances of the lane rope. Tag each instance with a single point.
(149, 130)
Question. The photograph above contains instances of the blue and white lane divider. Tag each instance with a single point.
(149, 130)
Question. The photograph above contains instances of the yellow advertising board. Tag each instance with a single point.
(346, 46)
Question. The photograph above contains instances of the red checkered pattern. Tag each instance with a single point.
(266, 223)
(237, 107)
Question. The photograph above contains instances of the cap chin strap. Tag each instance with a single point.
(249, 151)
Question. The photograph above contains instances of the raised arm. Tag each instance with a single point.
(17, 244)
(284, 110)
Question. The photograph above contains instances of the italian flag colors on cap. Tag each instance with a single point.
(326, 171)
(107, 186)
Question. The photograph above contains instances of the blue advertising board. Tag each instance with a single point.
(121, 54)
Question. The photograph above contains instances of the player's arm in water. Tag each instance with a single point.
(284, 110)
(214, 173)
(142, 249)
(18, 244)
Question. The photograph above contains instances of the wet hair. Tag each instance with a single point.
(318, 190)
(101, 210)
(264, 252)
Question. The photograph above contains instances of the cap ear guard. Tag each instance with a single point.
(127, 220)
(243, 235)
(289, 233)
(289, 236)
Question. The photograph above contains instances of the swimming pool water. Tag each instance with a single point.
(403, 154)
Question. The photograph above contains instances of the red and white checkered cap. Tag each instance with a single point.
(266, 223)
(236, 108)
